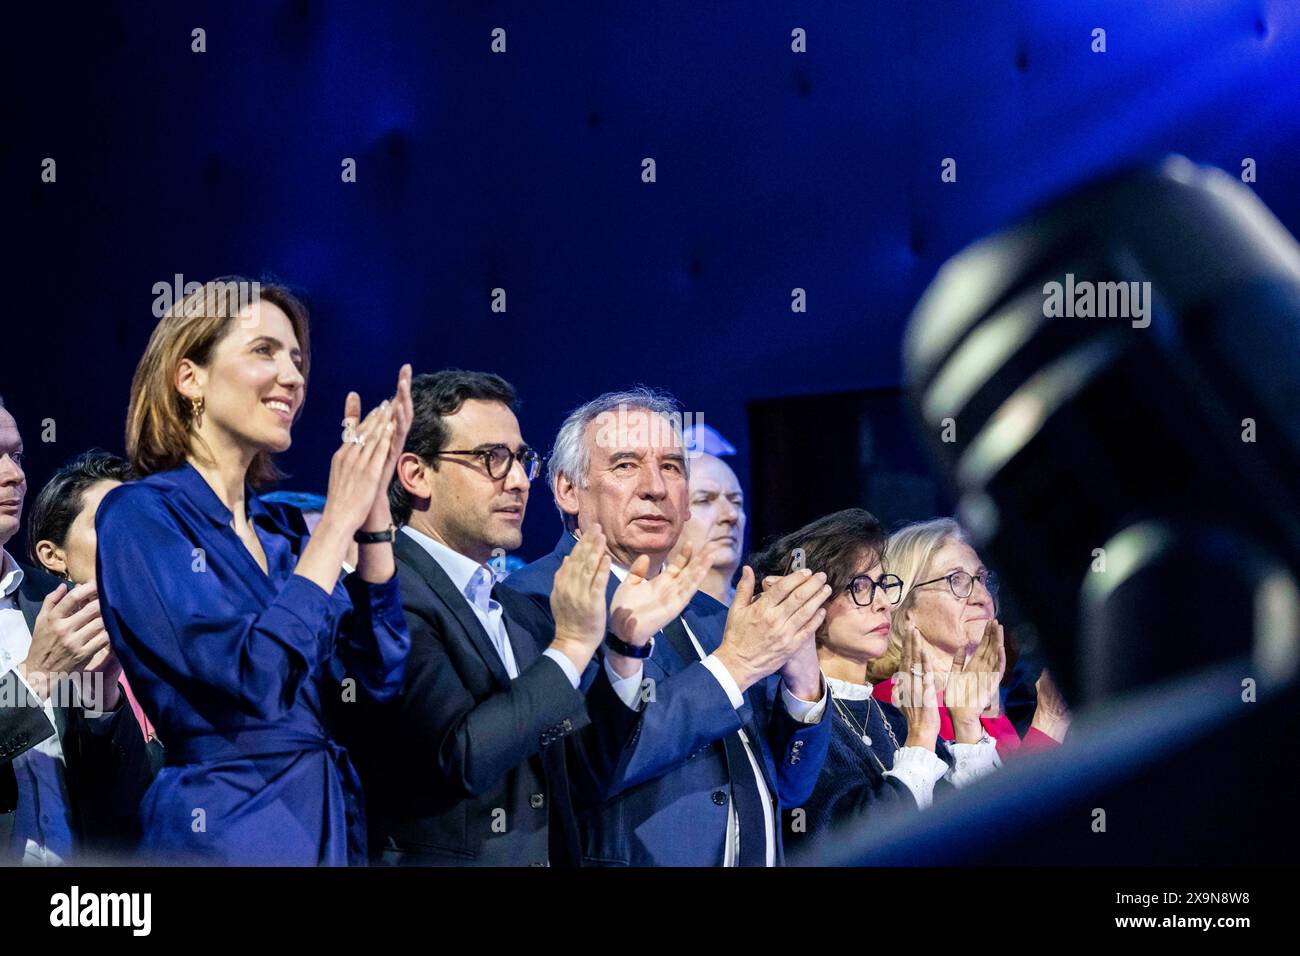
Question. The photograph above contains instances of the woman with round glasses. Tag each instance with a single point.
(950, 598)
(880, 754)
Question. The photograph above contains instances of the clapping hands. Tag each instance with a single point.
(643, 606)
(578, 599)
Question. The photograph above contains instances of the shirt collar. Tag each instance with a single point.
(11, 575)
(846, 690)
(467, 574)
(618, 570)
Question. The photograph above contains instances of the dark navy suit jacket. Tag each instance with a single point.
(666, 801)
(468, 766)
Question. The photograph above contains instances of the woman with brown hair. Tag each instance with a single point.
(883, 753)
(228, 617)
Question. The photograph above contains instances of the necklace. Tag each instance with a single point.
(861, 729)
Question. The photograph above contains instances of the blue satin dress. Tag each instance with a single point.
(239, 671)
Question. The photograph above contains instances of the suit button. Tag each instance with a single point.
(536, 801)
(798, 744)
(719, 797)
(794, 758)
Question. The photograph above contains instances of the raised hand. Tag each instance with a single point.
(403, 410)
(763, 633)
(1052, 715)
(914, 692)
(802, 672)
(644, 606)
(578, 599)
(68, 635)
(106, 664)
(356, 470)
(973, 682)
(356, 477)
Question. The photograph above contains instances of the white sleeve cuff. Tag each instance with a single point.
(31, 694)
(719, 671)
(566, 665)
(919, 770)
(972, 761)
(805, 711)
(627, 689)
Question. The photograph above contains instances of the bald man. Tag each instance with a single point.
(717, 514)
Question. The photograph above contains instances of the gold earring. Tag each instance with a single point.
(196, 409)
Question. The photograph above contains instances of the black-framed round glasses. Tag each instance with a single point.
(963, 582)
(497, 459)
(863, 590)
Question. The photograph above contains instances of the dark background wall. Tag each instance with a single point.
(522, 170)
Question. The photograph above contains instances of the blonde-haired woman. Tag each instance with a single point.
(881, 756)
(228, 617)
(950, 597)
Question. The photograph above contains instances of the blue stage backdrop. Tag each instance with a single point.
(775, 169)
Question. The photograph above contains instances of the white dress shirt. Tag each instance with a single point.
(475, 581)
(808, 712)
(43, 818)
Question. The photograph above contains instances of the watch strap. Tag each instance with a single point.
(620, 646)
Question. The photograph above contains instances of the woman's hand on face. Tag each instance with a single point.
(914, 692)
(974, 681)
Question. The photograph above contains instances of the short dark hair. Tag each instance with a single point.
(435, 396)
(62, 498)
(834, 544)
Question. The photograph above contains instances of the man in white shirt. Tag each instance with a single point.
(72, 759)
(477, 763)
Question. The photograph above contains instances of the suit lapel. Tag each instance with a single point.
(30, 610)
(30, 598)
(708, 620)
(431, 572)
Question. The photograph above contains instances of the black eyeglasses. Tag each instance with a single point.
(862, 585)
(497, 459)
(963, 582)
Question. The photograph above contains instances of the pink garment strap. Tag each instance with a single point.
(146, 726)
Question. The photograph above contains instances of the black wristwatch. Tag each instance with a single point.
(388, 535)
(620, 646)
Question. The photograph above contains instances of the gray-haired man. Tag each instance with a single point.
(717, 742)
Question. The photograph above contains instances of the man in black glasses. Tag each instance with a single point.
(469, 765)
